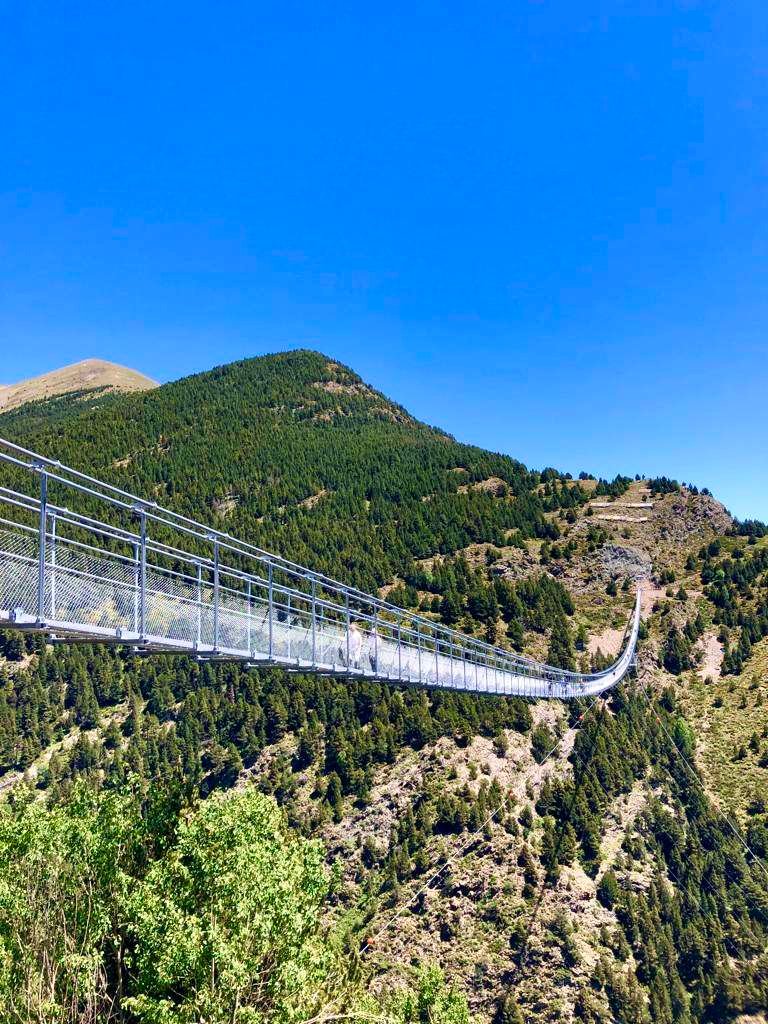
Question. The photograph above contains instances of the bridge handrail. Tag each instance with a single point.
(202, 531)
(411, 624)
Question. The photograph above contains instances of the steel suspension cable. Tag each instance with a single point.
(462, 850)
(588, 769)
(695, 776)
(735, 881)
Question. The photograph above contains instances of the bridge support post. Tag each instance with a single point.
(136, 587)
(375, 640)
(143, 576)
(271, 609)
(52, 563)
(314, 623)
(400, 650)
(248, 620)
(199, 603)
(42, 547)
(418, 641)
(349, 624)
(215, 596)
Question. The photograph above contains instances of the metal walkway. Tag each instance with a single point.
(125, 570)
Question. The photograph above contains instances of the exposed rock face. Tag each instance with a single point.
(517, 564)
(683, 516)
(678, 523)
(84, 376)
(631, 562)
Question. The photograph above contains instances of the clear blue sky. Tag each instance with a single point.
(541, 226)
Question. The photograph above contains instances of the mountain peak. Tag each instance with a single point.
(86, 375)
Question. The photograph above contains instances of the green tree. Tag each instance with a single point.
(451, 608)
(608, 889)
(228, 920)
(508, 1011)
(560, 651)
(432, 1002)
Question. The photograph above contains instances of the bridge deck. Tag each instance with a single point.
(201, 592)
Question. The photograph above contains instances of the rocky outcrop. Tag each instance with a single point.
(618, 561)
(680, 517)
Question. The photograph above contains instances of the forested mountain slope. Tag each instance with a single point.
(295, 452)
(594, 883)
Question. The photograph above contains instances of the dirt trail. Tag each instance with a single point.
(712, 656)
(609, 642)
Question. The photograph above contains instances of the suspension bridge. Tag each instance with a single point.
(83, 561)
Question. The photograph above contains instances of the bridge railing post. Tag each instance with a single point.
(41, 552)
(271, 609)
(216, 595)
(199, 603)
(418, 642)
(400, 650)
(375, 665)
(142, 630)
(349, 624)
(136, 586)
(52, 563)
(249, 645)
(314, 622)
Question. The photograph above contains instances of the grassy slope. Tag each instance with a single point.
(727, 712)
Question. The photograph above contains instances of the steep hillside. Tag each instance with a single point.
(297, 453)
(79, 378)
(33, 406)
(559, 863)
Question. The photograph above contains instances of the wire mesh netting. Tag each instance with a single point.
(206, 593)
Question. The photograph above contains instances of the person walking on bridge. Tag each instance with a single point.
(354, 645)
(373, 648)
